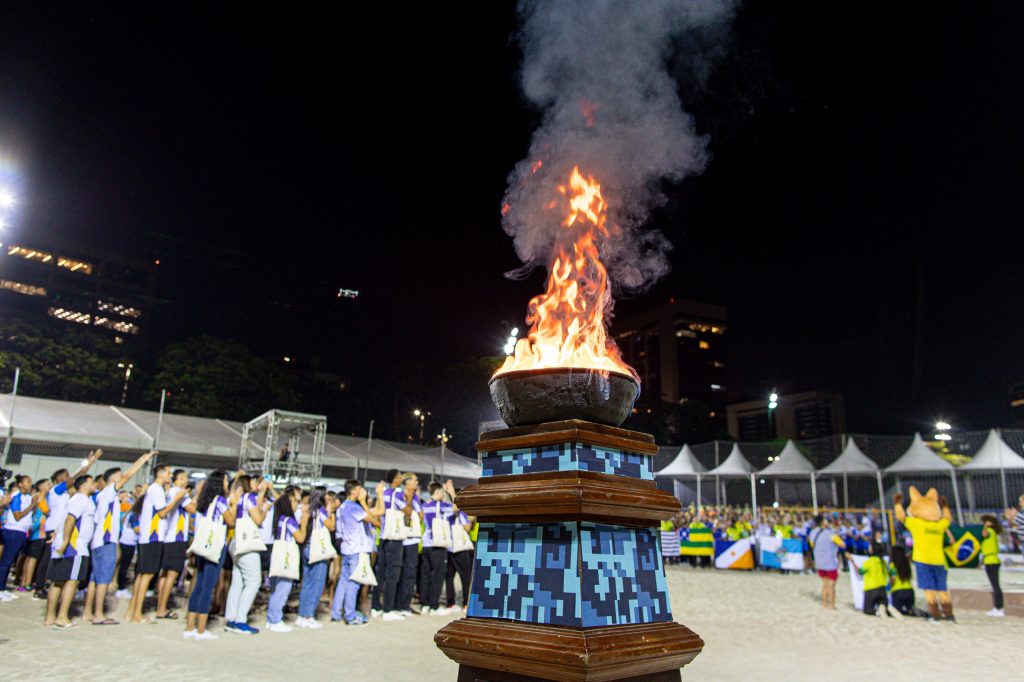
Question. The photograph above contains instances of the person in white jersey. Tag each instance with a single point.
(152, 528)
(69, 561)
(18, 504)
(175, 543)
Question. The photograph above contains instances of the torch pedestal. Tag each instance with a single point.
(567, 579)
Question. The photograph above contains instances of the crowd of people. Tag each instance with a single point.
(227, 542)
(831, 539)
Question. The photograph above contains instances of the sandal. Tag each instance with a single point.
(58, 626)
(106, 621)
(170, 615)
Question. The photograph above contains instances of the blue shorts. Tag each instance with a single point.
(930, 577)
(104, 562)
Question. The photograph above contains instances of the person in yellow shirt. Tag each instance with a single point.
(902, 589)
(736, 531)
(990, 559)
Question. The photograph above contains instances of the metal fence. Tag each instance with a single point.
(978, 492)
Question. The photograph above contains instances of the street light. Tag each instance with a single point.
(773, 402)
(127, 367)
(510, 344)
(422, 414)
(6, 198)
(943, 428)
(444, 438)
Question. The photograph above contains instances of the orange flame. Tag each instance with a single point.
(567, 324)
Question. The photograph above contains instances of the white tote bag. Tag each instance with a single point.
(320, 546)
(284, 560)
(441, 531)
(460, 538)
(209, 539)
(247, 537)
(363, 573)
(394, 525)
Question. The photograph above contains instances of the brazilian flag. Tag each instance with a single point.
(965, 550)
(697, 540)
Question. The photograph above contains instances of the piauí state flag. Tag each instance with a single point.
(734, 554)
(965, 548)
(697, 541)
(785, 554)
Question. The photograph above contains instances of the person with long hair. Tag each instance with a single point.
(990, 559)
(902, 593)
(826, 547)
(36, 536)
(246, 574)
(210, 495)
(314, 576)
(286, 528)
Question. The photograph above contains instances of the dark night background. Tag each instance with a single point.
(860, 218)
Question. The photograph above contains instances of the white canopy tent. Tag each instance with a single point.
(213, 442)
(993, 455)
(853, 461)
(791, 463)
(685, 465)
(920, 459)
(737, 466)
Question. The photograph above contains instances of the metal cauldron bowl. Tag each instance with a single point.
(544, 395)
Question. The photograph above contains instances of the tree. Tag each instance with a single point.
(210, 377)
(66, 363)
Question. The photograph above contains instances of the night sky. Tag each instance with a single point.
(860, 218)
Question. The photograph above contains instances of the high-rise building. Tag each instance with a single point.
(77, 284)
(809, 414)
(678, 351)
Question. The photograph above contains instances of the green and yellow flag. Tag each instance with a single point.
(697, 540)
(965, 550)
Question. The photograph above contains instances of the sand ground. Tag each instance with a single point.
(755, 626)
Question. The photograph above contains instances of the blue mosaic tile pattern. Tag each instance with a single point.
(529, 572)
(526, 572)
(567, 457)
(622, 578)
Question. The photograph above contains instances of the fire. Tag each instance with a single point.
(567, 324)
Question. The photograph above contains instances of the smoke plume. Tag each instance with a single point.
(598, 69)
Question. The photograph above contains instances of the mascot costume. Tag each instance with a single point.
(927, 517)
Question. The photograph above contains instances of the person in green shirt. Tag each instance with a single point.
(990, 559)
(876, 579)
(902, 592)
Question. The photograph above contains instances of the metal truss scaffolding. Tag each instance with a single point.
(272, 442)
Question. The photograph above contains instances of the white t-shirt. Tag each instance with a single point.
(56, 500)
(176, 520)
(82, 509)
(19, 502)
(152, 528)
(108, 517)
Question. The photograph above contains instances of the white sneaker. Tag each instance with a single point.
(995, 613)
(300, 622)
(435, 612)
(313, 624)
(205, 636)
(7, 596)
(188, 634)
(392, 616)
(426, 610)
(279, 627)
(123, 594)
(376, 613)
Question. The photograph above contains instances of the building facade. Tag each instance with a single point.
(809, 414)
(678, 351)
(77, 285)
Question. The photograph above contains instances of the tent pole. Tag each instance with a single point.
(1002, 471)
(717, 484)
(881, 503)
(725, 495)
(835, 493)
(899, 485)
(846, 493)
(956, 498)
(969, 484)
(776, 483)
(814, 493)
(698, 496)
(753, 497)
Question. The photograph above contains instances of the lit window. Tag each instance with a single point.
(20, 288)
(703, 345)
(116, 325)
(70, 315)
(680, 333)
(74, 265)
(717, 388)
(118, 309)
(717, 363)
(29, 254)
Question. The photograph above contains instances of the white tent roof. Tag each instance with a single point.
(994, 454)
(789, 462)
(39, 420)
(918, 458)
(851, 461)
(734, 465)
(684, 464)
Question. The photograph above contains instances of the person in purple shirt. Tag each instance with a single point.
(286, 528)
(435, 549)
(389, 556)
(408, 500)
(355, 518)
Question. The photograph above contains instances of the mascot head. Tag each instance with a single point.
(924, 506)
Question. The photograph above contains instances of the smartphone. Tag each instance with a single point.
(268, 477)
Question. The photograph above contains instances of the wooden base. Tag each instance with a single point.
(470, 674)
(568, 431)
(491, 650)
